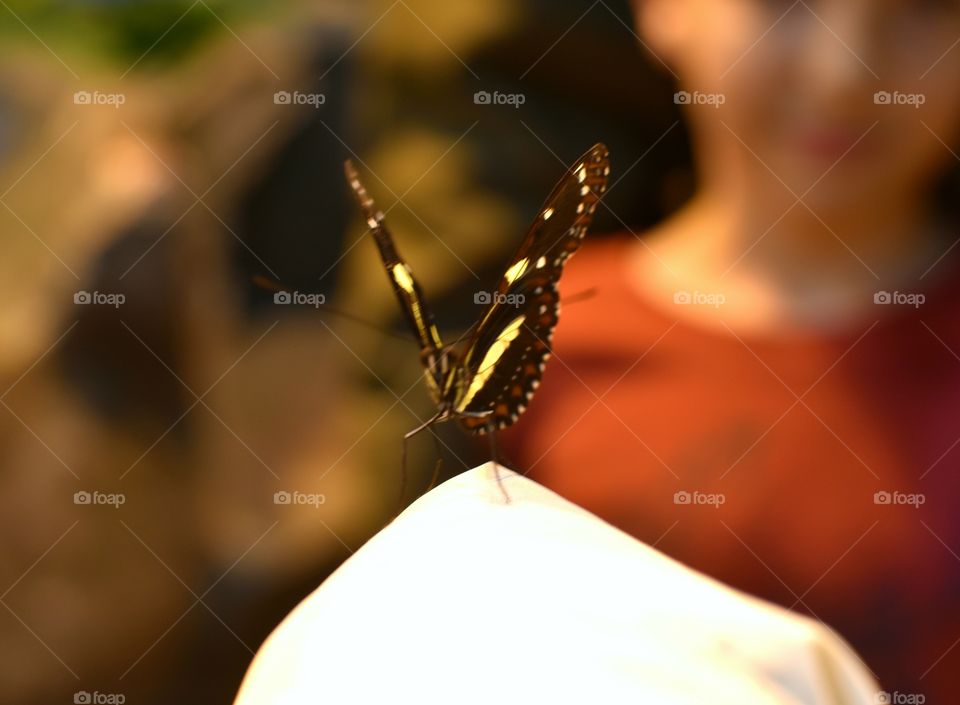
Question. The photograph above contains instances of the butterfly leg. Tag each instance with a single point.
(438, 464)
(403, 453)
(492, 434)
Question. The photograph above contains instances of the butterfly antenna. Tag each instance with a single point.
(269, 284)
(584, 295)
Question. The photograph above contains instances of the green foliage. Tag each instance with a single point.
(121, 31)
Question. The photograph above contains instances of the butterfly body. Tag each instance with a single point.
(487, 383)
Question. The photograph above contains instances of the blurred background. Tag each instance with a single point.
(183, 459)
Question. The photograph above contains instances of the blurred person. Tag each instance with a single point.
(765, 385)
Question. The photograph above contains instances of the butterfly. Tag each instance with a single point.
(487, 383)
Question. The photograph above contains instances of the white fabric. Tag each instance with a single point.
(465, 598)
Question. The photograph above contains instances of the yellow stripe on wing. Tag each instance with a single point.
(487, 365)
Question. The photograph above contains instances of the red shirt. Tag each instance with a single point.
(636, 406)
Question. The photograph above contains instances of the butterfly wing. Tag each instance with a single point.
(405, 286)
(502, 363)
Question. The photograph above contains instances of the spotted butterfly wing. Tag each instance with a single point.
(488, 387)
(405, 287)
(502, 363)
